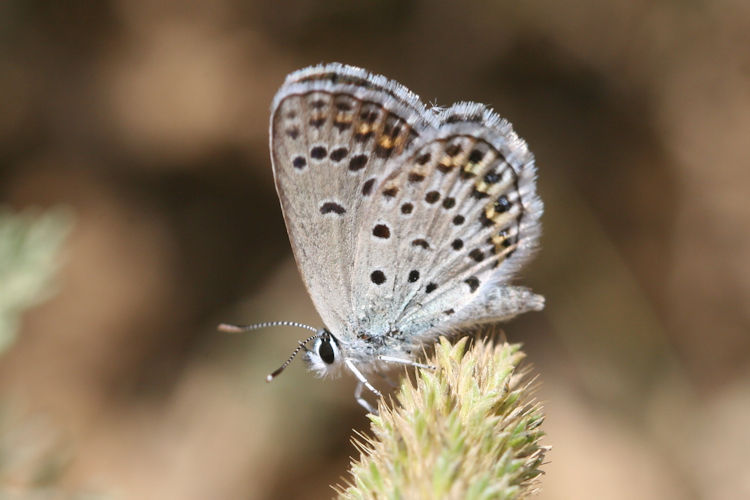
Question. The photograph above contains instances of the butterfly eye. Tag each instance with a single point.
(325, 351)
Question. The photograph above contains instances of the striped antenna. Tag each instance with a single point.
(286, 363)
(226, 327)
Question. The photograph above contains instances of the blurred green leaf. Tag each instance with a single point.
(30, 245)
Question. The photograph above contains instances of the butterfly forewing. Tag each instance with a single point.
(334, 133)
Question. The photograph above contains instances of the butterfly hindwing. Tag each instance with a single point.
(464, 217)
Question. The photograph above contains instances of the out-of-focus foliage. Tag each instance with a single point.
(30, 246)
(33, 459)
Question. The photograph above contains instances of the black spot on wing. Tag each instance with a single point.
(317, 122)
(318, 152)
(502, 204)
(381, 231)
(332, 207)
(357, 162)
(473, 283)
(431, 197)
(367, 187)
(292, 132)
(477, 255)
(338, 154)
(423, 159)
(377, 277)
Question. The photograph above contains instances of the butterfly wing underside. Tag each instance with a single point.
(334, 130)
(402, 220)
(448, 229)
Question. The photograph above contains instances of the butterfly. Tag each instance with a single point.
(406, 222)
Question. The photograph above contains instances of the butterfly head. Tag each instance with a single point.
(325, 357)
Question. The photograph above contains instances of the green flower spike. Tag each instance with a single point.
(469, 430)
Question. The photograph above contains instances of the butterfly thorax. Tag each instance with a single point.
(329, 355)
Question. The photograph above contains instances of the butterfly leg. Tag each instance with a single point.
(362, 401)
(363, 382)
(408, 362)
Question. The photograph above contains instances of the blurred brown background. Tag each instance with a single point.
(149, 120)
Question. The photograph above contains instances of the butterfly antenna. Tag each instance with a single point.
(302, 345)
(225, 327)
